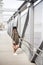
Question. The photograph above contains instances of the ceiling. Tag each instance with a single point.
(8, 8)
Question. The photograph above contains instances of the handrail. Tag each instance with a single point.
(30, 45)
(25, 41)
(37, 55)
(40, 50)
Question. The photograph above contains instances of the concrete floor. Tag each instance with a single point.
(7, 56)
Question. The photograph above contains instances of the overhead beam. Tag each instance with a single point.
(22, 8)
(29, 0)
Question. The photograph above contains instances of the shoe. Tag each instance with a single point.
(15, 54)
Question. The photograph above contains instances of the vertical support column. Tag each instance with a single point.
(19, 24)
(31, 20)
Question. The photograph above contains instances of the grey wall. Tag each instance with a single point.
(23, 19)
(10, 26)
(38, 30)
(29, 34)
(34, 31)
(37, 25)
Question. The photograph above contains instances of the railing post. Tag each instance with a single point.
(19, 23)
(31, 22)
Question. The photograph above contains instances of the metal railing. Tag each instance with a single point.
(30, 44)
(37, 52)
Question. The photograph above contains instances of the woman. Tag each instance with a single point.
(15, 37)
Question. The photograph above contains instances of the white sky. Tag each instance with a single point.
(10, 4)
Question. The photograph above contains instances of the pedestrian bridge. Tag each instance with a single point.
(7, 57)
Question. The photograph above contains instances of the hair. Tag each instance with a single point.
(14, 43)
(14, 28)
